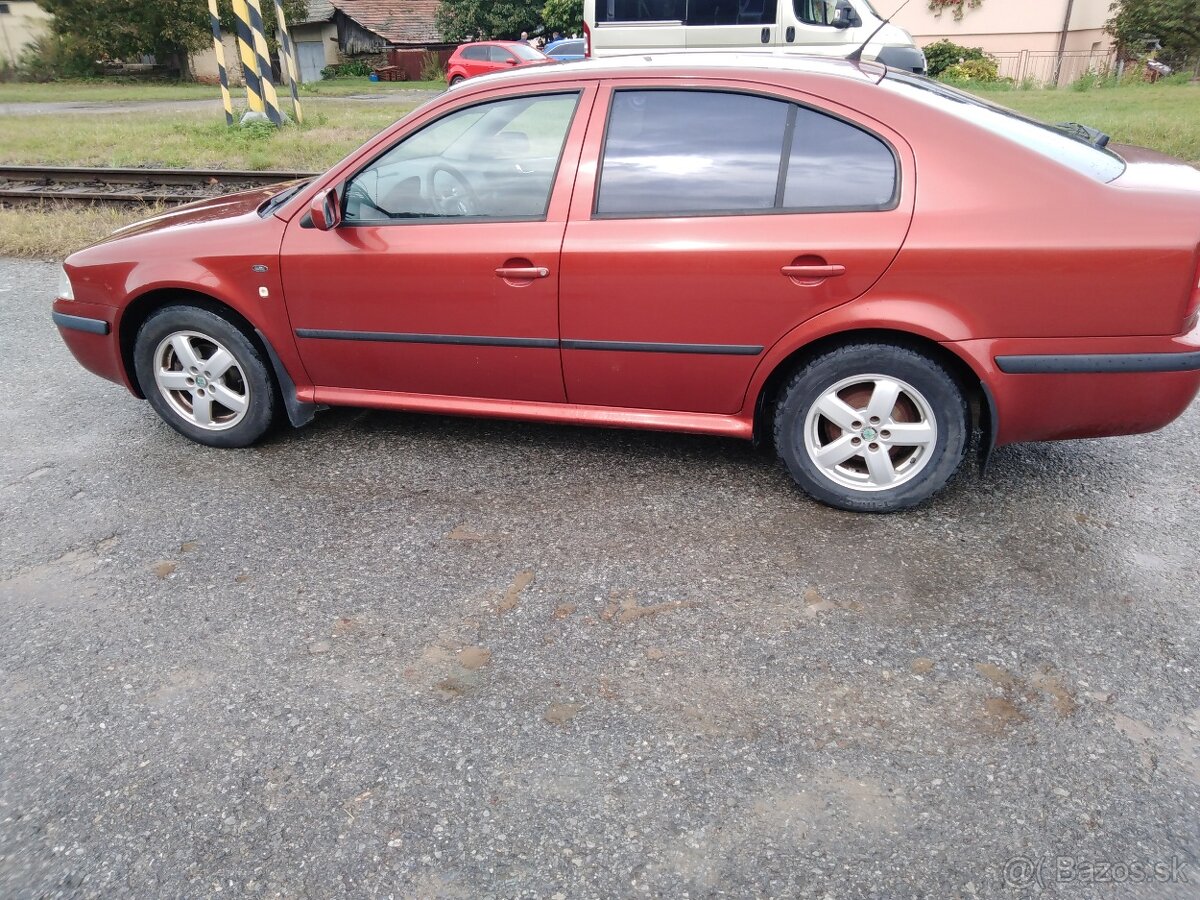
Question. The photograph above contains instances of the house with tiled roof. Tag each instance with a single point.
(337, 30)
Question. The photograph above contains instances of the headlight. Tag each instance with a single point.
(65, 291)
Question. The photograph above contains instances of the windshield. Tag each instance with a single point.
(1068, 144)
(526, 52)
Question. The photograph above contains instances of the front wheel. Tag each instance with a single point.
(455, 80)
(204, 377)
(872, 427)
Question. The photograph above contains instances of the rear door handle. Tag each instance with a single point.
(519, 273)
(813, 271)
(765, 37)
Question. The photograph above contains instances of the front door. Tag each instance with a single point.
(443, 276)
(717, 220)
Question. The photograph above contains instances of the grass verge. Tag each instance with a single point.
(54, 231)
(110, 92)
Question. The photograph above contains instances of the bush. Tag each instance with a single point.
(432, 68)
(54, 56)
(983, 71)
(354, 69)
(943, 54)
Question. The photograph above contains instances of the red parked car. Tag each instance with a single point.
(485, 57)
(861, 263)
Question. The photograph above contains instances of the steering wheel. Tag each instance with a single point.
(460, 199)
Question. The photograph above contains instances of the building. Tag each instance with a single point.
(21, 23)
(1023, 35)
(338, 30)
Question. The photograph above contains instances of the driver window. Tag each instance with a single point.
(815, 12)
(490, 161)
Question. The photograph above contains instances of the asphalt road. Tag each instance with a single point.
(394, 655)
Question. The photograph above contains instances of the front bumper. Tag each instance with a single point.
(87, 330)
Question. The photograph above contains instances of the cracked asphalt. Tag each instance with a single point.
(410, 656)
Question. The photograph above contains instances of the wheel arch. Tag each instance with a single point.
(978, 396)
(142, 307)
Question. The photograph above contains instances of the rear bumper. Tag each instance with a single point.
(1052, 389)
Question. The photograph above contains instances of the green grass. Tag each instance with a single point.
(106, 91)
(1163, 117)
(194, 138)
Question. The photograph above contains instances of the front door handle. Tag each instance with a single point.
(790, 34)
(521, 273)
(766, 36)
(813, 272)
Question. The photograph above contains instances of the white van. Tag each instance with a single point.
(825, 27)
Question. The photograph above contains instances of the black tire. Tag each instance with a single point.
(250, 377)
(920, 470)
(455, 80)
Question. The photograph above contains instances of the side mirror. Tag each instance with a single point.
(511, 61)
(845, 16)
(325, 210)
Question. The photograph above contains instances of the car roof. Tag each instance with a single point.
(722, 63)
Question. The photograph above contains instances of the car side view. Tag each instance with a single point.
(486, 57)
(750, 246)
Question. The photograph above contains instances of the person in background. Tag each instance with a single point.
(524, 37)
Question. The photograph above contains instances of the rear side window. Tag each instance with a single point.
(641, 10)
(673, 153)
(475, 53)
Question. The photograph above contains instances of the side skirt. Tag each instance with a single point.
(533, 411)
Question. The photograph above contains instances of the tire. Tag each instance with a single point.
(204, 377)
(455, 80)
(847, 454)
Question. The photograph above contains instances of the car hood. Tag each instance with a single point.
(215, 209)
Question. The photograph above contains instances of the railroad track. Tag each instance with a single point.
(21, 185)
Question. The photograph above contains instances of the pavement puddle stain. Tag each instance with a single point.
(922, 665)
(1001, 714)
(562, 713)
(164, 568)
(65, 579)
(624, 608)
(512, 594)
(563, 610)
(189, 546)
(474, 657)
(462, 533)
(997, 675)
(1048, 681)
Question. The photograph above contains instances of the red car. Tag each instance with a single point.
(860, 263)
(485, 57)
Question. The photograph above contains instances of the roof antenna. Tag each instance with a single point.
(856, 56)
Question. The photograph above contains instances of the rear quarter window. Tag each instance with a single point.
(1052, 142)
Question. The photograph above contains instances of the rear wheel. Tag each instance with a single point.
(872, 427)
(204, 377)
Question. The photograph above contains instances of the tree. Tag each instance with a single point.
(1175, 24)
(481, 20)
(167, 29)
(563, 16)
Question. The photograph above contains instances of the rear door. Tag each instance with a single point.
(706, 224)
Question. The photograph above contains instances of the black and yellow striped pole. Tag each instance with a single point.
(287, 60)
(219, 50)
(260, 92)
(264, 62)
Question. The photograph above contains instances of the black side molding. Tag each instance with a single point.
(299, 413)
(1099, 362)
(81, 323)
(398, 337)
(644, 347)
